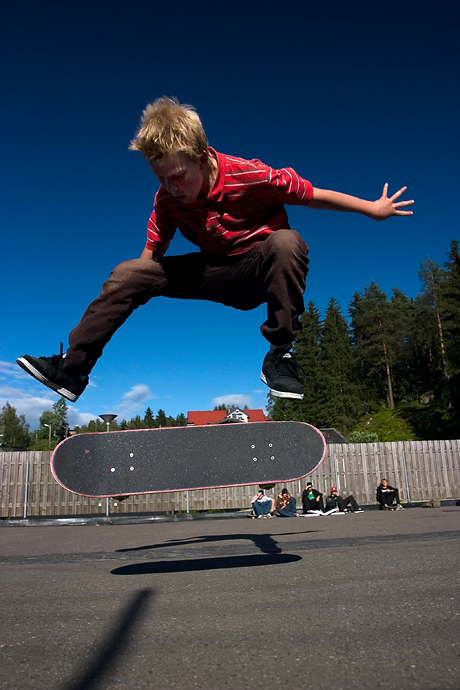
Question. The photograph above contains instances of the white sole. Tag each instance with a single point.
(30, 369)
(281, 394)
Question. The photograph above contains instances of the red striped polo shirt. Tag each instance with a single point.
(245, 205)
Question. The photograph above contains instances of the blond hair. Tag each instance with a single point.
(169, 127)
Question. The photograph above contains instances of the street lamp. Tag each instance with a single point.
(49, 436)
(108, 418)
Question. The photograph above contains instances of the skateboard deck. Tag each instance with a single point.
(187, 458)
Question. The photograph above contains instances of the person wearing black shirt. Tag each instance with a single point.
(312, 500)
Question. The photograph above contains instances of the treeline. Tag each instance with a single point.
(399, 353)
(54, 426)
(148, 421)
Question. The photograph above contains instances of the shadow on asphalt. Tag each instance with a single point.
(114, 644)
(264, 542)
(194, 564)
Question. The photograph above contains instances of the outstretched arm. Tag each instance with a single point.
(381, 209)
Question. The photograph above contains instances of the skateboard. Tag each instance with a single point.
(187, 458)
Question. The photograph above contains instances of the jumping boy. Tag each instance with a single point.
(233, 210)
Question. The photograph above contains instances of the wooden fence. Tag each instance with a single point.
(420, 469)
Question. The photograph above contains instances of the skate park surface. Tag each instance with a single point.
(359, 601)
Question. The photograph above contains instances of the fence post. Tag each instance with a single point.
(26, 489)
(336, 467)
(405, 475)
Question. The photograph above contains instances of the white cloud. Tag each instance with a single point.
(233, 400)
(33, 406)
(134, 400)
(138, 393)
(29, 405)
(76, 418)
(12, 370)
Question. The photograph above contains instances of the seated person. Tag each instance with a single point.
(262, 505)
(312, 500)
(336, 502)
(387, 495)
(286, 505)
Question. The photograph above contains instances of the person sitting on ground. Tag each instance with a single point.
(312, 500)
(387, 495)
(286, 505)
(335, 501)
(262, 505)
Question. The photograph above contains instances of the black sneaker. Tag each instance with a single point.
(48, 370)
(279, 372)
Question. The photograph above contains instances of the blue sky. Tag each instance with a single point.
(351, 95)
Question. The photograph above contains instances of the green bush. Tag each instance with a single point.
(363, 437)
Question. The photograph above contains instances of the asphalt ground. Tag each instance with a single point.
(350, 602)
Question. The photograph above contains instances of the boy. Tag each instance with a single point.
(312, 500)
(286, 505)
(262, 505)
(335, 501)
(233, 209)
(386, 494)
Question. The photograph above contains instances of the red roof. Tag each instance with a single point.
(201, 418)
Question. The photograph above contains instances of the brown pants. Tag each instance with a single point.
(273, 272)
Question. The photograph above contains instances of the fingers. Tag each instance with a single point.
(398, 193)
(403, 203)
(400, 204)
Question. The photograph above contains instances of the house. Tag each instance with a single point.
(201, 418)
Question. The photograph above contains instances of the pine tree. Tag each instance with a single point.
(374, 341)
(450, 299)
(432, 277)
(308, 352)
(340, 402)
(404, 361)
(161, 419)
(149, 419)
(424, 351)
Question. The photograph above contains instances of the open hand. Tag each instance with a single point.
(386, 207)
